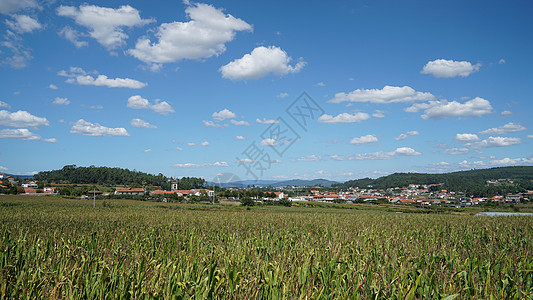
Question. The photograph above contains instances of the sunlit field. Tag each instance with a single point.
(58, 248)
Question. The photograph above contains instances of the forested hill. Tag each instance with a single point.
(459, 181)
(112, 176)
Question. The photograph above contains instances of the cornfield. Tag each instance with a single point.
(56, 248)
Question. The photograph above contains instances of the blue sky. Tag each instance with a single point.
(203, 88)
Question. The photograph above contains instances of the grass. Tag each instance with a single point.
(61, 248)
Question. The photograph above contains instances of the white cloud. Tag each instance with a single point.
(105, 24)
(179, 148)
(205, 35)
(435, 110)
(530, 136)
(53, 87)
(141, 124)
(4, 105)
(147, 150)
(213, 124)
(266, 121)
(239, 137)
(223, 115)
(239, 123)
(94, 129)
(456, 151)
(21, 118)
(466, 137)
(507, 128)
(245, 161)
(403, 136)
(23, 24)
(17, 55)
(269, 142)
(259, 63)
(79, 76)
(61, 101)
(389, 94)
(3, 169)
(195, 166)
(73, 36)
(442, 68)
(282, 95)
(512, 161)
(369, 138)
(380, 155)
(501, 61)
(496, 141)
(321, 84)
(9, 6)
(506, 113)
(344, 118)
(191, 144)
(378, 114)
(23, 134)
(204, 143)
(160, 107)
(309, 158)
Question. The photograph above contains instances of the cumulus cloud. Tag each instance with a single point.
(456, 151)
(223, 115)
(378, 114)
(61, 101)
(466, 137)
(23, 24)
(94, 129)
(105, 24)
(239, 123)
(15, 54)
(501, 61)
(496, 141)
(23, 134)
(269, 142)
(435, 110)
(282, 95)
(259, 63)
(344, 118)
(207, 165)
(4, 105)
(266, 121)
(403, 136)
(141, 124)
(73, 36)
(321, 84)
(147, 150)
(204, 143)
(10, 6)
(79, 76)
(53, 87)
(239, 137)
(309, 158)
(506, 113)
(21, 118)
(507, 128)
(213, 124)
(204, 36)
(369, 138)
(497, 162)
(160, 107)
(380, 155)
(442, 68)
(389, 94)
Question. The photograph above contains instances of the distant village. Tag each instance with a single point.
(412, 194)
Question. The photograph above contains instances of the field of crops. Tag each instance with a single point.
(56, 248)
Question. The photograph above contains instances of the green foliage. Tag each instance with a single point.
(140, 250)
(472, 183)
(247, 201)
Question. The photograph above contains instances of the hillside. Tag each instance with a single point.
(113, 176)
(472, 181)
